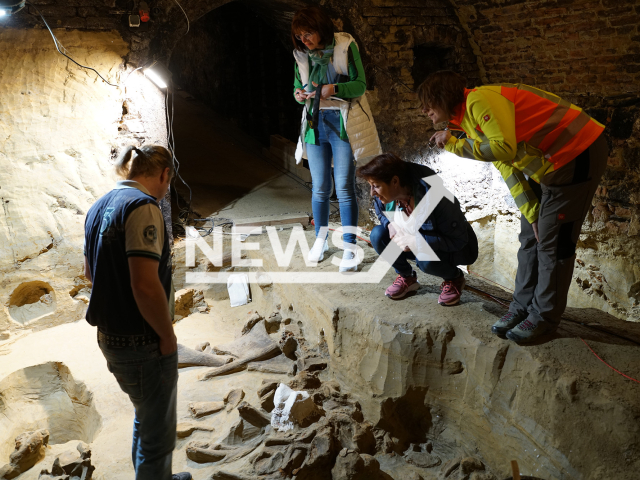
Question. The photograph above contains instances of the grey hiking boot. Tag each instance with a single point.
(181, 476)
(527, 331)
(506, 323)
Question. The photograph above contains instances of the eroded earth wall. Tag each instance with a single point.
(60, 131)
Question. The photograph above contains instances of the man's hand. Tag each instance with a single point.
(152, 300)
(168, 345)
(441, 138)
(534, 225)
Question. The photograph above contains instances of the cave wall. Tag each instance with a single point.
(61, 129)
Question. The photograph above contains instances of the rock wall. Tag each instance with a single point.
(61, 129)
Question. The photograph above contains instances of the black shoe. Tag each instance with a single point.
(181, 476)
(506, 323)
(527, 331)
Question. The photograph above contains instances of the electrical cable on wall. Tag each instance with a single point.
(183, 212)
(185, 16)
(57, 43)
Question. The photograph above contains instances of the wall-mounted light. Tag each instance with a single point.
(158, 74)
(9, 7)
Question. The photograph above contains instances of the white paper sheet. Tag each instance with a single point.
(238, 287)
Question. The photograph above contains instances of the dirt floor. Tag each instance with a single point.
(404, 389)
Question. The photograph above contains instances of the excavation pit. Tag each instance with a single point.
(31, 301)
(439, 390)
(45, 396)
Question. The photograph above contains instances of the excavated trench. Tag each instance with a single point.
(46, 396)
(409, 389)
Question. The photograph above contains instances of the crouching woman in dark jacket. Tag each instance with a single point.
(398, 186)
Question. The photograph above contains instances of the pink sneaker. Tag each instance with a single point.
(451, 291)
(402, 286)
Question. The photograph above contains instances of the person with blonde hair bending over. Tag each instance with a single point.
(127, 258)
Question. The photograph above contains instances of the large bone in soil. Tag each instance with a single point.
(188, 357)
(255, 346)
(202, 409)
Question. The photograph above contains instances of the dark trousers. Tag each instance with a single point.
(446, 268)
(151, 382)
(545, 268)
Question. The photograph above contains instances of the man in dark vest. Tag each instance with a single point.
(127, 258)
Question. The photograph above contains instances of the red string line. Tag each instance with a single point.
(617, 371)
(485, 278)
(626, 376)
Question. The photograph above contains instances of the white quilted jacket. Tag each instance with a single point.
(356, 113)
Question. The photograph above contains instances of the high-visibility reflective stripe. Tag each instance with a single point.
(525, 197)
(467, 148)
(546, 95)
(533, 166)
(569, 132)
(547, 128)
(513, 180)
(485, 150)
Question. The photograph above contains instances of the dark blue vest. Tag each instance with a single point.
(112, 307)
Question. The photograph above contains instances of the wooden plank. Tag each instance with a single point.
(301, 218)
(515, 470)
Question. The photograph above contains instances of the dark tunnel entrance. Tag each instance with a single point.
(236, 63)
(233, 92)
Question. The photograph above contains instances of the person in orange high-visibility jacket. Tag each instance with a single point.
(551, 155)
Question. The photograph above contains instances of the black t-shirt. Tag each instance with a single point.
(123, 223)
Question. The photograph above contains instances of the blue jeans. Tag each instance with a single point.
(380, 239)
(344, 172)
(151, 381)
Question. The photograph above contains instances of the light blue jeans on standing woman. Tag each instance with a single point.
(344, 172)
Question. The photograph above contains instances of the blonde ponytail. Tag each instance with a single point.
(148, 161)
